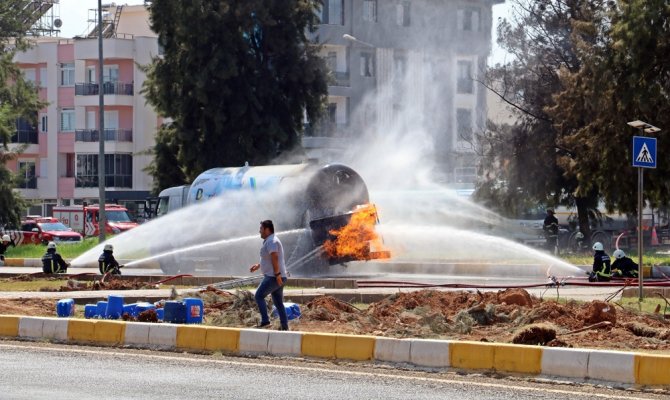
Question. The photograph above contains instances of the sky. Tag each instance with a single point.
(75, 15)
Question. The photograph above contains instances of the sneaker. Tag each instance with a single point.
(283, 329)
(262, 325)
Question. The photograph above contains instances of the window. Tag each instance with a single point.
(44, 125)
(399, 67)
(402, 13)
(464, 124)
(29, 75)
(110, 73)
(91, 76)
(370, 10)
(26, 177)
(67, 120)
(331, 60)
(67, 74)
(464, 78)
(118, 170)
(44, 79)
(332, 12)
(468, 19)
(367, 64)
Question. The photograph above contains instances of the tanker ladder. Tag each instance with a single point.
(253, 280)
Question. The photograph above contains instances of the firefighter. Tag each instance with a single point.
(107, 263)
(52, 262)
(550, 227)
(601, 265)
(4, 245)
(623, 267)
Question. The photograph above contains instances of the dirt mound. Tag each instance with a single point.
(515, 296)
(535, 334)
(598, 311)
(30, 307)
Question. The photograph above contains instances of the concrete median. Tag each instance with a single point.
(628, 368)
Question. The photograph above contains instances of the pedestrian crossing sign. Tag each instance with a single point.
(644, 152)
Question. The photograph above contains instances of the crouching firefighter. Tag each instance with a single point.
(623, 267)
(52, 262)
(107, 263)
(601, 265)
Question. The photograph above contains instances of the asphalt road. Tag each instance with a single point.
(39, 370)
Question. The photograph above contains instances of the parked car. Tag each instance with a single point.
(43, 230)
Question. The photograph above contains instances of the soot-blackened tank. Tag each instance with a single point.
(314, 191)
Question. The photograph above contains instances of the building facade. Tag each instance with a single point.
(59, 166)
(391, 60)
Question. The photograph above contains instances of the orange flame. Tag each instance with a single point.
(355, 239)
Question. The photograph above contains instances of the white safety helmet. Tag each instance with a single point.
(51, 245)
(579, 236)
(6, 238)
(618, 253)
(597, 246)
(109, 247)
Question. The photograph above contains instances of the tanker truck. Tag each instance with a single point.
(306, 197)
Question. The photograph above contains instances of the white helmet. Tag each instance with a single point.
(597, 246)
(618, 253)
(109, 247)
(579, 236)
(51, 245)
(6, 238)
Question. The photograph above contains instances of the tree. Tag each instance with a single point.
(237, 79)
(530, 159)
(18, 99)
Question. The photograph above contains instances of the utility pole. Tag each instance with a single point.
(102, 220)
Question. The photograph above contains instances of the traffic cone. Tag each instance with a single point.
(654, 237)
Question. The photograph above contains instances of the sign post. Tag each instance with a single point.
(644, 156)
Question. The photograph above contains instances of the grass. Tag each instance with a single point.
(648, 304)
(650, 258)
(68, 251)
(30, 286)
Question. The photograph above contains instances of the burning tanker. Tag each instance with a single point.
(314, 208)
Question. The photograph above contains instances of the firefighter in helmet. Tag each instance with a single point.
(601, 265)
(550, 227)
(4, 245)
(623, 267)
(107, 263)
(52, 262)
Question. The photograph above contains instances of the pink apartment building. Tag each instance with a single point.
(60, 163)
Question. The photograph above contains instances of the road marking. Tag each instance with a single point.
(313, 369)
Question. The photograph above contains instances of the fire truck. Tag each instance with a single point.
(84, 219)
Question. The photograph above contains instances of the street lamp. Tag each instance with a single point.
(644, 128)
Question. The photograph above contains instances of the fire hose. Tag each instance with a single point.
(410, 284)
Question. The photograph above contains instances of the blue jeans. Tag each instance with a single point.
(269, 286)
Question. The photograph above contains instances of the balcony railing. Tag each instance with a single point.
(92, 89)
(90, 181)
(111, 135)
(27, 182)
(341, 79)
(25, 136)
(327, 129)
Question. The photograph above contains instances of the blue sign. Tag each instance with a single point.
(644, 152)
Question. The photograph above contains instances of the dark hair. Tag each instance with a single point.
(268, 224)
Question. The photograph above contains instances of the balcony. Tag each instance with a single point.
(327, 129)
(116, 181)
(341, 79)
(111, 135)
(111, 88)
(27, 182)
(25, 136)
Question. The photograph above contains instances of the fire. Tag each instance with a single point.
(355, 239)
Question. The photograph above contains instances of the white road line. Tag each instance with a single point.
(313, 369)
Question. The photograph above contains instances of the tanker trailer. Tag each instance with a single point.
(291, 195)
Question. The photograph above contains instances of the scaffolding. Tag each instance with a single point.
(42, 17)
(111, 15)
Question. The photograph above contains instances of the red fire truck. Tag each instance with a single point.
(84, 219)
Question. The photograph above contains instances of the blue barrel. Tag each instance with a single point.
(101, 312)
(65, 308)
(114, 306)
(160, 313)
(194, 310)
(90, 310)
(175, 312)
(292, 311)
(130, 309)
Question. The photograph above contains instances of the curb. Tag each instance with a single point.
(611, 366)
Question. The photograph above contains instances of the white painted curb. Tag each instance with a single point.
(31, 327)
(571, 363)
(285, 343)
(55, 328)
(163, 335)
(137, 333)
(613, 366)
(429, 353)
(254, 340)
(392, 350)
